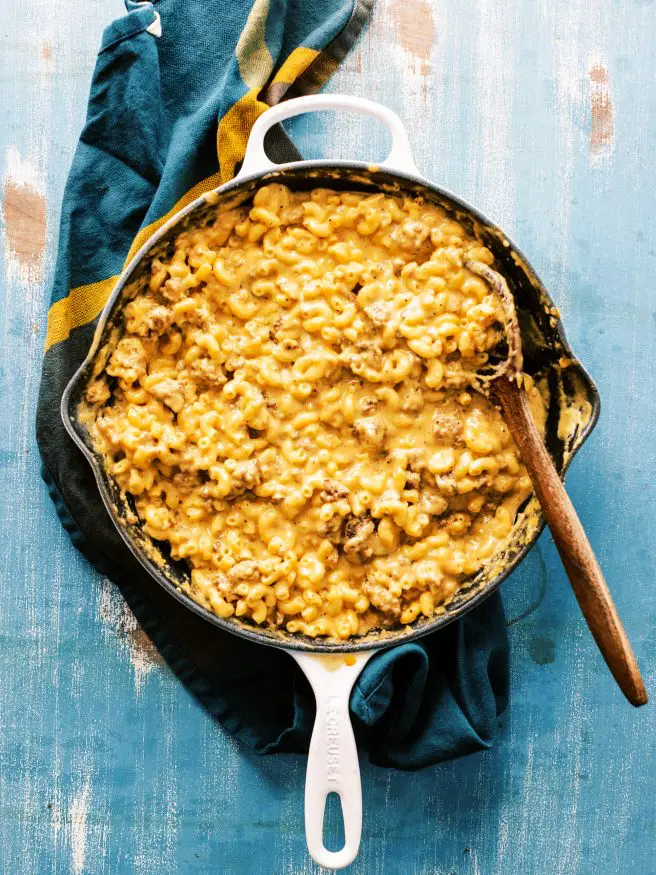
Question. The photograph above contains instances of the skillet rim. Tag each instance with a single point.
(300, 642)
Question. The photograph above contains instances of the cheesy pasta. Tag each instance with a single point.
(291, 403)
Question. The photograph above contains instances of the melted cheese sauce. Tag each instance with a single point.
(291, 403)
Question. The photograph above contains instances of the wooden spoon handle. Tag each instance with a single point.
(575, 551)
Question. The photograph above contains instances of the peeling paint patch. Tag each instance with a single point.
(119, 619)
(46, 53)
(143, 653)
(24, 213)
(415, 29)
(24, 219)
(602, 116)
(79, 816)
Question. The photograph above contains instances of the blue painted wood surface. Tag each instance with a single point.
(543, 114)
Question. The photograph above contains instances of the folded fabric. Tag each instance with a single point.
(176, 89)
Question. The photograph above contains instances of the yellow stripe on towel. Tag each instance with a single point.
(84, 303)
(296, 64)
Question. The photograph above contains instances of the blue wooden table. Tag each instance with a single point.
(544, 115)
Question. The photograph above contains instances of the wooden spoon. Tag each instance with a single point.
(585, 575)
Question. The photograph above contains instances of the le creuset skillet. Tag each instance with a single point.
(573, 407)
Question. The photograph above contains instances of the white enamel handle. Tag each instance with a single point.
(256, 161)
(333, 759)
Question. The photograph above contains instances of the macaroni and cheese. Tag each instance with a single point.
(292, 405)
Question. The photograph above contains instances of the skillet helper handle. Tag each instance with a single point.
(256, 160)
(580, 563)
(333, 765)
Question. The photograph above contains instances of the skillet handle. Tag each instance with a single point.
(333, 759)
(256, 161)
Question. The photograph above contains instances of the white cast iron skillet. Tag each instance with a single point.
(333, 667)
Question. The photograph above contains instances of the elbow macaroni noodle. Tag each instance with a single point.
(290, 402)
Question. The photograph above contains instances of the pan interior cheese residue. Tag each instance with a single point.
(290, 403)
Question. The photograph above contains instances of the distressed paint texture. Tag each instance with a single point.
(79, 817)
(107, 765)
(24, 218)
(122, 625)
(24, 213)
(413, 22)
(602, 122)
